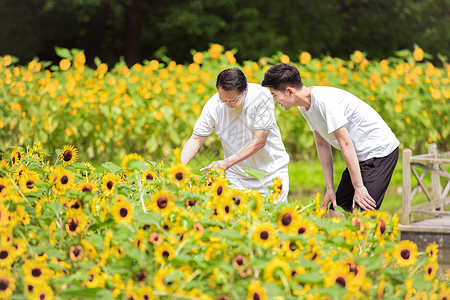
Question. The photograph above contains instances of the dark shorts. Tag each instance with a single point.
(376, 174)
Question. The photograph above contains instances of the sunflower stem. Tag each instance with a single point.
(15, 185)
(181, 288)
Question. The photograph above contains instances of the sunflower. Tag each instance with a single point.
(16, 156)
(122, 212)
(5, 187)
(163, 202)
(42, 292)
(87, 165)
(87, 187)
(4, 216)
(89, 249)
(339, 275)
(198, 230)
(7, 255)
(155, 238)
(314, 251)
(291, 249)
(139, 240)
(287, 219)
(36, 271)
(239, 198)
(239, 262)
(163, 285)
(63, 181)
(76, 253)
(277, 185)
(96, 278)
(7, 284)
(265, 235)
(179, 174)
(430, 270)
(432, 250)
(128, 159)
(163, 253)
(108, 183)
(145, 293)
(304, 227)
(69, 155)
(277, 271)
(218, 187)
(255, 291)
(224, 209)
(148, 177)
(28, 181)
(405, 253)
(76, 222)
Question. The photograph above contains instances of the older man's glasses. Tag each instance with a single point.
(239, 98)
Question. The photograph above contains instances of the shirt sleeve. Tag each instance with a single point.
(265, 115)
(205, 124)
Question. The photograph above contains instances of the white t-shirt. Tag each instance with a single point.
(234, 127)
(332, 108)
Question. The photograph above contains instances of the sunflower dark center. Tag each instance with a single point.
(179, 176)
(4, 254)
(73, 224)
(36, 272)
(405, 254)
(219, 190)
(237, 200)
(192, 202)
(280, 187)
(76, 205)
(162, 202)
(141, 275)
(109, 185)
(30, 184)
(286, 220)
(146, 297)
(256, 296)
(341, 280)
(86, 188)
(292, 246)
(165, 253)
(149, 176)
(2, 187)
(264, 235)
(42, 296)
(4, 284)
(30, 288)
(64, 179)
(430, 270)
(382, 226)
(123, 212)
(92, 278)
(301, 230)
(67, 156)
(138, 243)
(353, 268)
(227, 209)
(76, 252)
(240, 261)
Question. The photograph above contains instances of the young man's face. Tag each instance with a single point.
(231, 98)
(282, 97)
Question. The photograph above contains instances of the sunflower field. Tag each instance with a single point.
(151, 107)
(155, 230)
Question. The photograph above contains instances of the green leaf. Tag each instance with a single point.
(310, 277)
(258, 174)
(138, 165)
(173, 276)
(80, 292)
(229, 234)
(63, 53)
(144, 218)
(112, 167)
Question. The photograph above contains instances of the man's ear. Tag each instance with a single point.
(290, 90)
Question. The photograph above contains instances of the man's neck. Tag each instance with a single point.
(303, 97)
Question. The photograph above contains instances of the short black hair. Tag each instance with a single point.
(231, 80)
(281, 76)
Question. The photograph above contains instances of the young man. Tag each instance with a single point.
(242, 115)
(340, 119)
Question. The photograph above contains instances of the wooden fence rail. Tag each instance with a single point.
(432, 162)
